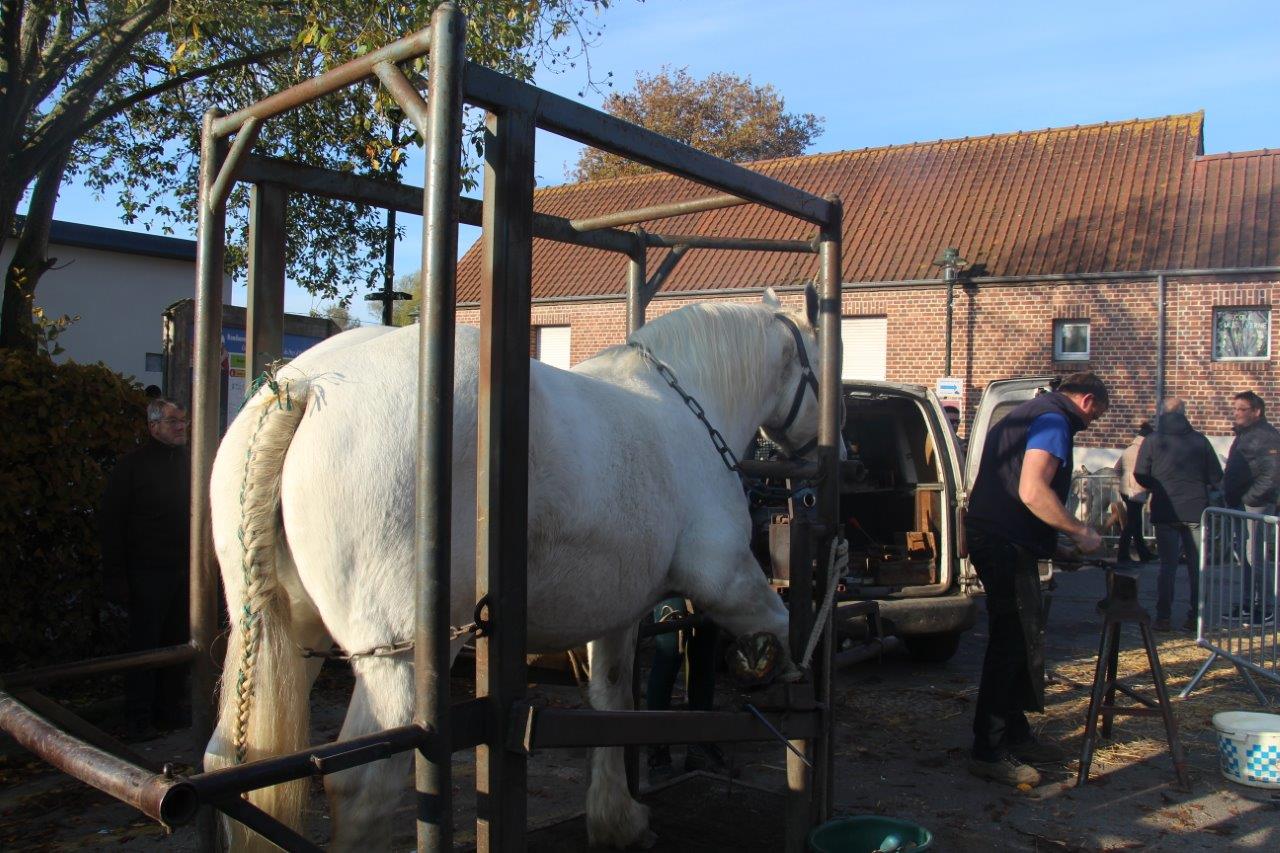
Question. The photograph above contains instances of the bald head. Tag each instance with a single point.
(1174, 406)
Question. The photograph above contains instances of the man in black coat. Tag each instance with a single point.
(1252, 483)
(1016, 510)
(144, 527)
(1179, 466)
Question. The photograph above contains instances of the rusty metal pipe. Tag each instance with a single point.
(150, 659)
(657, 211)
(410, 47)
(744, 244)
(172, 801)
(316, 760)
(405, 95)
(247, 135)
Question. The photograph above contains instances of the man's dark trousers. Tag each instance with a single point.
(1007, 688)
(157, 617)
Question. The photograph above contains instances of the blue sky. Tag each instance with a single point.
(893, 73)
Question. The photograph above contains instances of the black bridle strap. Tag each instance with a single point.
(807, 376)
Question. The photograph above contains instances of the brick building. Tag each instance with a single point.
(1069, 236)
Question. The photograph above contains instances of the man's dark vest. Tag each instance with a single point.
(994, 505)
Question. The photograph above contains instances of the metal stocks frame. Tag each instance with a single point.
(499, 722)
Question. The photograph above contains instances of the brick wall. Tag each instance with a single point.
(1006, 331)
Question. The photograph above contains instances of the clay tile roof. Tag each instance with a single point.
(1130, 195)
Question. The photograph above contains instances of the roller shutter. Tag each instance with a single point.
(865, 341)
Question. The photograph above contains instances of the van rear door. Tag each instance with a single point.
(998, 399)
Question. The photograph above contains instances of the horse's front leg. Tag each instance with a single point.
(726, 583)
(614, 819)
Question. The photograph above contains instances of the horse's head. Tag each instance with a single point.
(792, 423)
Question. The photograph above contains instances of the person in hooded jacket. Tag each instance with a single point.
(1179, 466)
(1135, 497)
(1252, 482)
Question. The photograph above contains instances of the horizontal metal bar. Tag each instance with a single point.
(172, 801)
(406, 198)
(409, 47)
(779, 470)
(328, 758)
(149, 659)
(657, 211)
(741, 244)
(568, 118)
(544, 728)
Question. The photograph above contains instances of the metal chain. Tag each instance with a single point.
(387, 650)
(727, 456)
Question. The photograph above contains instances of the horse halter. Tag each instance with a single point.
(808, 379)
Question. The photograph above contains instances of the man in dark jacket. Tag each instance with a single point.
(144, 527)
(1179, 466)
(1015, 513)
(1252, 483)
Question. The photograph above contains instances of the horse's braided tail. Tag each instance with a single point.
(263, 707)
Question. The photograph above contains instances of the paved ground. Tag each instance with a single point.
(901, 741)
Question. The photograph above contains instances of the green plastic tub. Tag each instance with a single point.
(867, 834)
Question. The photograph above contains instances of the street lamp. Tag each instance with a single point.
(951, 264)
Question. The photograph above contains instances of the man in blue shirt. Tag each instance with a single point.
(1015, 513)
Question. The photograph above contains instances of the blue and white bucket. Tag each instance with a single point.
(1249, 747)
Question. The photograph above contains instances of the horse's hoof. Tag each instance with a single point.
(757, 659)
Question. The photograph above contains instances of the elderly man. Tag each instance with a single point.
(1252, 482)
(144, 527)
(1179, 466)
(1015, 513)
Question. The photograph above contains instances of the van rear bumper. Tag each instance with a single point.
(942, 615)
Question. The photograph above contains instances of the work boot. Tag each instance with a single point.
(1032, 751)
(1007, 771)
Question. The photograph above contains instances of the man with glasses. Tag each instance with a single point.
(144, 528)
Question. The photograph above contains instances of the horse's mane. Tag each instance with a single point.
(713, 345)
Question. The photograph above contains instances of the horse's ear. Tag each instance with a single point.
(811, 304)
(771, 300)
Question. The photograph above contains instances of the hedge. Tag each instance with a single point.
(64, 425)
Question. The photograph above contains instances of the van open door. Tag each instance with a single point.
(998, 399)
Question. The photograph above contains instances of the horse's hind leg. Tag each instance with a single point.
(614, 819)
(362, 799)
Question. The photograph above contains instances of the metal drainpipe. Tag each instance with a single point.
(949, 276)
(1161, 310)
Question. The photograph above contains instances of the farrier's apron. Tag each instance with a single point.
(1030, 603)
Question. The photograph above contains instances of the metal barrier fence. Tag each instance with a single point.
(1095, 499)
(1238, 579)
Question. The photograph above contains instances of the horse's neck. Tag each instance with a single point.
(737, 401)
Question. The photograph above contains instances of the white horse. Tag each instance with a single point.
(313, 514)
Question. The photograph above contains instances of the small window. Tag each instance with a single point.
(1241, 334)
(1071, 340)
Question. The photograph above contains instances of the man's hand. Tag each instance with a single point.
(1087, 540)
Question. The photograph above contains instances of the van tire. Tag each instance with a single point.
(932, 648)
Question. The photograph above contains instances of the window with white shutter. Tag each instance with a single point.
(553, 345)
(865, 341)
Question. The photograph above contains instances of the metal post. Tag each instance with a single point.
(205, 408)
(432, 546)
(502, 470)
(830, 401)
(799, 801)
(949, 275)
(1161, 310)
(636, 275)
(264, 317)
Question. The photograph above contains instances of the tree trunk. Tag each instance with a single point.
(30, 259)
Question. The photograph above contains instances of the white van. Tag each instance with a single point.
(902, 495)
